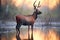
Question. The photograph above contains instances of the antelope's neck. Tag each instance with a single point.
(34, 15)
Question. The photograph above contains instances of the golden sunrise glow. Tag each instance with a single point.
(52, 35)
(49, 3)
(13, 38)
(39, 35)
(53, 3)
(17, 2)
(28, 3)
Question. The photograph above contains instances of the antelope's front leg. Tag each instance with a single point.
(18, 31)
(32, 32)
(28, 32)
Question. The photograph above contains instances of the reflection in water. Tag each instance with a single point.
(3, 38)
(8, 32)
(8, 36)
(38, 34)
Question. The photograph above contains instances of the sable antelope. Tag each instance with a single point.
(27, 20)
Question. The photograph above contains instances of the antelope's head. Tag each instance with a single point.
(36, 8)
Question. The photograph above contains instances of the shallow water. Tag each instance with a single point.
(8, 31)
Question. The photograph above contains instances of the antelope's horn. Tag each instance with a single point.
(34, 3)
(39, 4)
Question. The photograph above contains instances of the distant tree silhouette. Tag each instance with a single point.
(0, 5)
